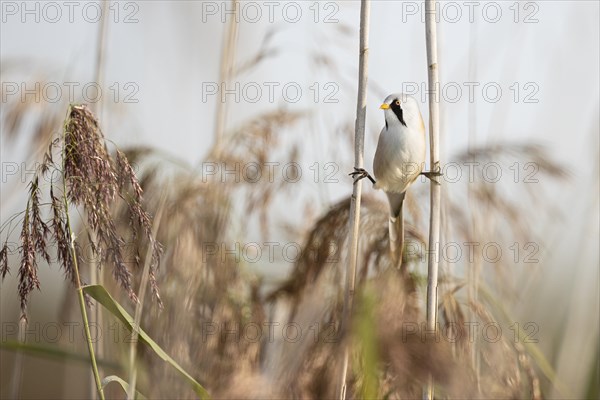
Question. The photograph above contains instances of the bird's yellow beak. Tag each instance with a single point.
(384, 106)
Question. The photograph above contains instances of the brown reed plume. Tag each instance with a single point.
(90, 178)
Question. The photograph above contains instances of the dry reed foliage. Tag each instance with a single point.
(90, 179)
(207, 291)
(326, 247)
(313, 296)
(501, 212)
(21, 110)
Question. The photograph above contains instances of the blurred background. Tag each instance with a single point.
(238, 118)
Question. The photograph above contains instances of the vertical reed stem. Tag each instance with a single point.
(359, 139)
(140, 305)
(226, 72)
(434, 159)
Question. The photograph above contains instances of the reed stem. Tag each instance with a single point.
(359, 139)
(435, 188)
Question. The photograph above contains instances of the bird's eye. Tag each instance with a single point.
(397, 102)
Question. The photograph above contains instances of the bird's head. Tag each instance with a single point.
(402, 109)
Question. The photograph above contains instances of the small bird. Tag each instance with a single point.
(399, 160)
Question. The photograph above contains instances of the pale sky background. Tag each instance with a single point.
(171, 51)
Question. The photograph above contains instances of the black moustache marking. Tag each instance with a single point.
(398, 111)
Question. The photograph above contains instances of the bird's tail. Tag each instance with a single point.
(396, 226)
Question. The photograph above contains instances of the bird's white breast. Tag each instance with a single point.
(400, 157)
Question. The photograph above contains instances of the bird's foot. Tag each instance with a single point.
(432, 174)
(361, 173)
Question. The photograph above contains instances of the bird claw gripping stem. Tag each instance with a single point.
(431, 174)
(361, 173)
